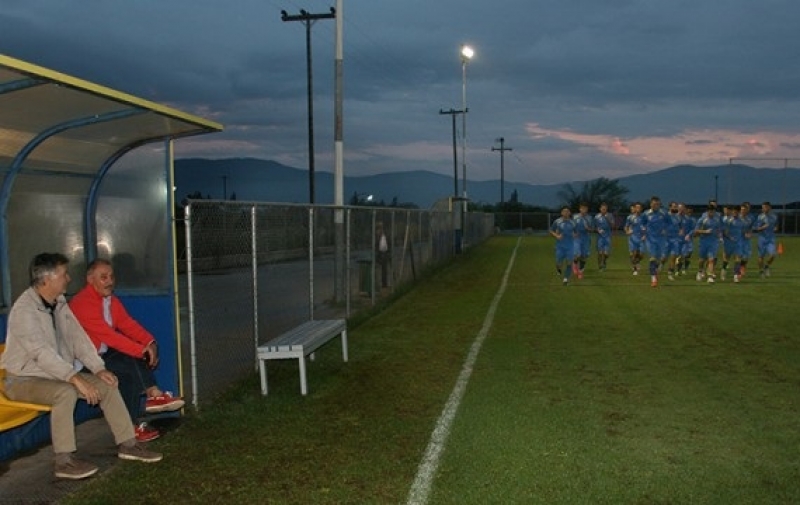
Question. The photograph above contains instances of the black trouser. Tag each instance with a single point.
(134, 377)
(383, 261)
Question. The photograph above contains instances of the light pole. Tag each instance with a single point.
(466, 55)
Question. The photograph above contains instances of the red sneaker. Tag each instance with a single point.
(164, 403)
(145, 433)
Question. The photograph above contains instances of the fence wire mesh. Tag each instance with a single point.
(251, 271)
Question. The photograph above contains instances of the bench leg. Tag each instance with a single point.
(303, 386)
(344, 345)
(262, 369)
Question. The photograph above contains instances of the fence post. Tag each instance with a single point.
(187, 217)
(254, 251)
(311, 263)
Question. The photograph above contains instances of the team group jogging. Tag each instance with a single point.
(669, 239)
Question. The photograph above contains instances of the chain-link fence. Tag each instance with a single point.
(250, 271)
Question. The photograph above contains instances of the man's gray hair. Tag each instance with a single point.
(45, 264)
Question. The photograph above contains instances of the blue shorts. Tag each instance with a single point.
(565, 254)
(604, 244)
(674, 246)
(657, 248)
(634, 244)
(746, 249)
(709, 249)
(688, 247)
(732, 248)
(583, 246)
(766, 247)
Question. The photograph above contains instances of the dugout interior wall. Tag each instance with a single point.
(87, 171)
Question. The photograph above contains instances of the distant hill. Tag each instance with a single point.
(269, 181)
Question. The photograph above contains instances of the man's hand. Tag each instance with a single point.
(108, 377)
(150, 354)
(85, 389)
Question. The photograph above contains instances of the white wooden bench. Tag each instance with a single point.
(298, 343)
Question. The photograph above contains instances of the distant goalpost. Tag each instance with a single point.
(785, 167)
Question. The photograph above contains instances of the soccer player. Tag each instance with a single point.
(654, 221)
(674, 236)
(746, 249)
(583, 242)
(709, 229)
(635, 233)
(766, 225)
(689, 222)
(563, 230)
(726, 246)
(603, 223)
(733, 236)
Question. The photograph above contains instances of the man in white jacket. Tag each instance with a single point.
(50, 360)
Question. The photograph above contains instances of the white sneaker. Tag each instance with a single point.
(635, 272)
(711, 280)
(671, 277)
(735, 278)
(699, 276)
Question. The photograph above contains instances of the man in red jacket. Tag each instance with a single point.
(128, 349)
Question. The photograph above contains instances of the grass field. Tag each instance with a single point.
(604, 391)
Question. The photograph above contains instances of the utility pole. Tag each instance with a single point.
(453, 113)
(502, 150)
(308, 20)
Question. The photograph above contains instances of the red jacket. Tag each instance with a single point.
(127, 336)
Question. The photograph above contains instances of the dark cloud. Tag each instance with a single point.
(621, 69)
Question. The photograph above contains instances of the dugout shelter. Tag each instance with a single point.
(87, 171)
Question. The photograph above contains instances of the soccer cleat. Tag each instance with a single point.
(711, 279)
(671, 277)
(163, 403)
(565, 281)
(699, 276)
(722, 274)
(736, 278)
(145, 433)
(635, 272)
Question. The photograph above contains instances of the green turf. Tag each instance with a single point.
(605, 391)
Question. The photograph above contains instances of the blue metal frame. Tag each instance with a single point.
(15, 169)
(20, 84)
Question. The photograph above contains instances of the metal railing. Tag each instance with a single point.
(251, 271)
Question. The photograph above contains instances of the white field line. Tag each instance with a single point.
(421, 488)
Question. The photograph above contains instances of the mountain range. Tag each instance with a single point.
(251, 179)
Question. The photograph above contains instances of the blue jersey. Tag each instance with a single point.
(566, 227)
(689, 223)
(734, 229)
(770, 220)
(603, 223)
(633, 223)
(583, 224)
(714, 224)
(655, 223)
(674, 228)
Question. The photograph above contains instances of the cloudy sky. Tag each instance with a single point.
(578, 88)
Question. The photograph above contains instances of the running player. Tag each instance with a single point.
(766, 225)
(746, 249)
(583, 242)
(689, 222)
(654, 221)
(563, 230)
(708, 228)
(733, 236)
(674, 234)
(635, 232)
(603, 223)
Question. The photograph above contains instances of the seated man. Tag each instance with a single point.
(127, 348)
(46, 349)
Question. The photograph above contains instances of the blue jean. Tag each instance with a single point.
(134, 376)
